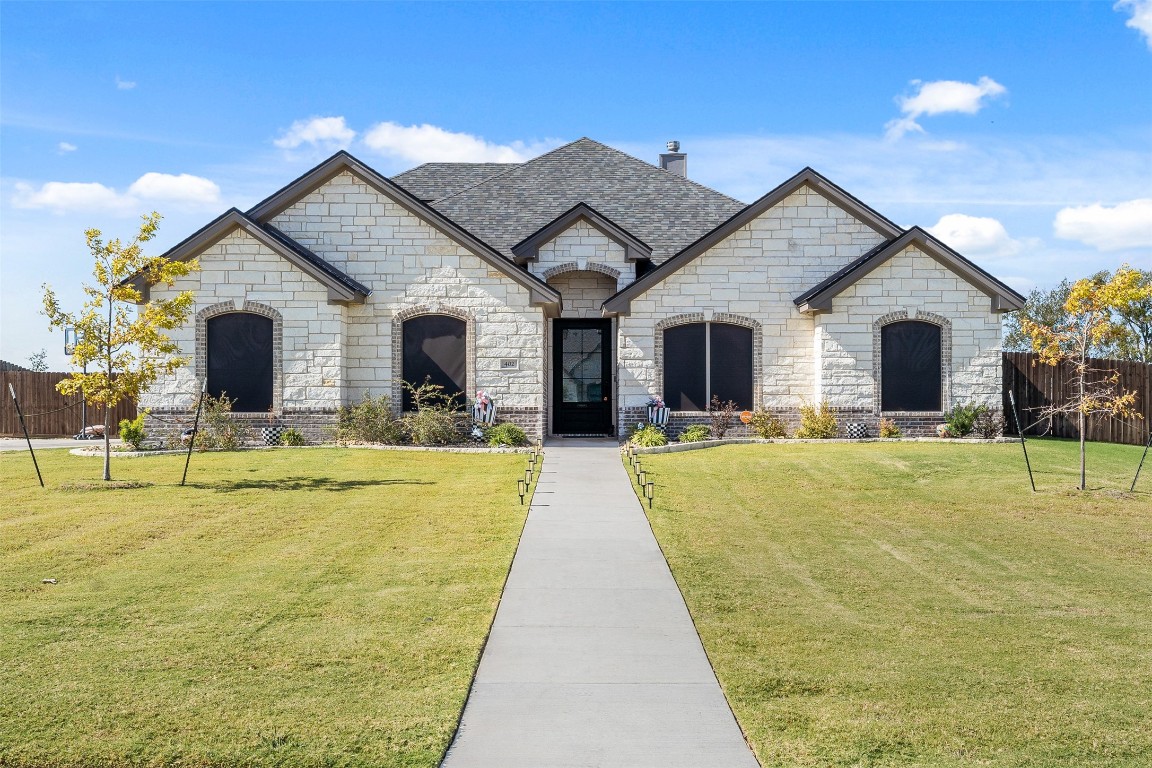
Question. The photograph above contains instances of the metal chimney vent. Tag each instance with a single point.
(673, 146)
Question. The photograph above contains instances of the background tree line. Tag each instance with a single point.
(1130, 335)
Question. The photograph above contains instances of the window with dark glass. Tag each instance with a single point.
(702, 360)
(435, 351)
(240, 360)
(910, 366)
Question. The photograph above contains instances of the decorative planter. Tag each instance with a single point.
(271, 435)
(857, 430)
(943, 431)
(658, 416)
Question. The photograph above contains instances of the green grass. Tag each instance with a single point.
(916, 604)
(299, 607)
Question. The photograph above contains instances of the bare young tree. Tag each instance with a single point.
(1089, 325)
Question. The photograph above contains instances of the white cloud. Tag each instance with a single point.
(1126, 225)
(330, 133)
(124, 85)
(64, 147)
(61, 196)
(1141, 20)
(430, 143)
(975, 235)
(151, 188)
(183, 188)
(940, 97)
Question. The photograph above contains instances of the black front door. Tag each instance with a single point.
(582, 377)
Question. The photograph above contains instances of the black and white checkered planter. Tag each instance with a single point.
(271, 435)
(857, 430)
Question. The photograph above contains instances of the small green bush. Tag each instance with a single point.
(647, 436)
(817, 422)
(961, 420)
(694, 434)
(505, 434)
(437, 419)
(369, 421)
(767, 425)
(132, 430)
(888, 428)
(292, 437)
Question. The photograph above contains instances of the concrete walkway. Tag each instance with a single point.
(593, 659)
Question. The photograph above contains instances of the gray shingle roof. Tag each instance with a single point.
(432, 181)
(664, 210)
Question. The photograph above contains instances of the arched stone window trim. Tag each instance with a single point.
(945, 354)
(572, 266)
(226, 307)
(718, 317)
(398, 347)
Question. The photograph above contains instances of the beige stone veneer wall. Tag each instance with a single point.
(240, 269)
(913, 286)
(332, 354)
(582, 247)
(755, 273)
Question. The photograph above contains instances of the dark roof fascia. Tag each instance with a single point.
(528, 249)
(819, 298)
(622, 300)
(540, 292)
(341, 288)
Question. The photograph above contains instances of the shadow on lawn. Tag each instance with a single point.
(301, 484)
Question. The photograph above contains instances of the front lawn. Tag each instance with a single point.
(916, 604)
(298, 607)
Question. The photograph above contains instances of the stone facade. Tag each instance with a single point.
(329, 352)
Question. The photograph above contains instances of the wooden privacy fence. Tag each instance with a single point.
(1040, 385)
(46, 412)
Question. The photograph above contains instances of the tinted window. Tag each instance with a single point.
(910, 366)
(685, 382)
(435, 349)
(240, 360)
(731, 354)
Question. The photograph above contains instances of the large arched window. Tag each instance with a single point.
(910, 366)
(240, 364)
(435, 350)
(706, 360)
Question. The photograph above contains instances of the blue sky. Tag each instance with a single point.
(1020, 133)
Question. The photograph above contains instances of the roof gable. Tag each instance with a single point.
(528, 249)
(539, 291)
(621, 302)
(661, 209)
(342, 289)
(819, 298)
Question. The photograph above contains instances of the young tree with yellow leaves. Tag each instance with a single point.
(126, 343)
(1089, 325)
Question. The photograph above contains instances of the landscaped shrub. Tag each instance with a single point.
(888, 428)
(505, 434)
(817, 422)
(292, 437)
(767, 425)
(694, 434)
(647, 436)
(437, 418)
(961, 420)
(217, 428)
(132, 430)
(989, 425)
(369, 421)
(722, 415)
